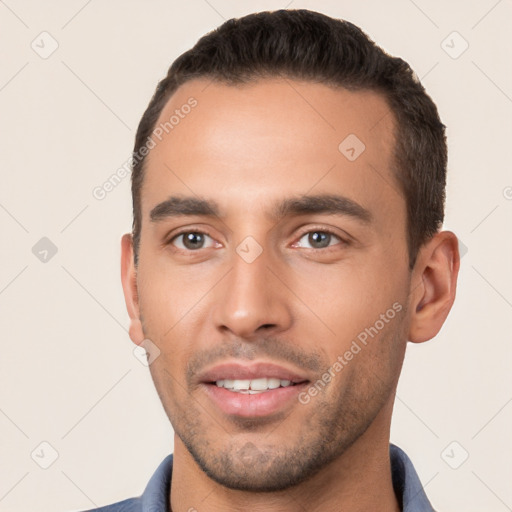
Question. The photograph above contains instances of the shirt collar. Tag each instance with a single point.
(407, 485)
(156, 495)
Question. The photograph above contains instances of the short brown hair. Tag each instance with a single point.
(306, 45)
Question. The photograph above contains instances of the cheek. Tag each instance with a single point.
(169, 293)
(351, 295)
(173, 302)
(372, 354)
(169, 384)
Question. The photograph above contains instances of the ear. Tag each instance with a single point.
(433, 285)
(131, 296)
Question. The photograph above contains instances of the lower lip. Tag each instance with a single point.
(258, 405)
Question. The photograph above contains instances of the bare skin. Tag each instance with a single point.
(321, 279)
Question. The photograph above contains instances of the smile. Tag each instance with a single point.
(255, 390)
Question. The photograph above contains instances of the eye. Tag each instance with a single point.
(318, 239)
(192, 240)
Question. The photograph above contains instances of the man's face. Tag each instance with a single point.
(298, 260)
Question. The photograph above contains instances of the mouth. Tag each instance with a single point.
(252, 391)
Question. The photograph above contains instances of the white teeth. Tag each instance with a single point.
(273, 383)
(253, 386)
(259, 384)
(239, 385)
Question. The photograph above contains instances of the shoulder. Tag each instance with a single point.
(129, 505)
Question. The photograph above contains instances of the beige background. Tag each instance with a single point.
(68, 375)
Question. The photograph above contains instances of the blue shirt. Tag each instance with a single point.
(155, 498)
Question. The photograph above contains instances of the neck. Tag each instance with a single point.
(359, 480)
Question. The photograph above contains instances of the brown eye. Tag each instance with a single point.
(192, 240)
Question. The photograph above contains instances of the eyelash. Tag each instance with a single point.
(342, 241)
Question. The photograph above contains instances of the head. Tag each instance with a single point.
(288, 194)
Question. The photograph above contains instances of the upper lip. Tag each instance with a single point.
(238, 371)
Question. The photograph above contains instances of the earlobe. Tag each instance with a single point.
(435, 278)
(129, 281)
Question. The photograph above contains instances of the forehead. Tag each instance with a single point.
(250, 143)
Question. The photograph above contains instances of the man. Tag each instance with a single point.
(288, 196)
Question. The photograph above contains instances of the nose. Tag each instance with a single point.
(251, 300)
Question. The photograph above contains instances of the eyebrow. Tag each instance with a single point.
(176, 206)
(321, 204)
